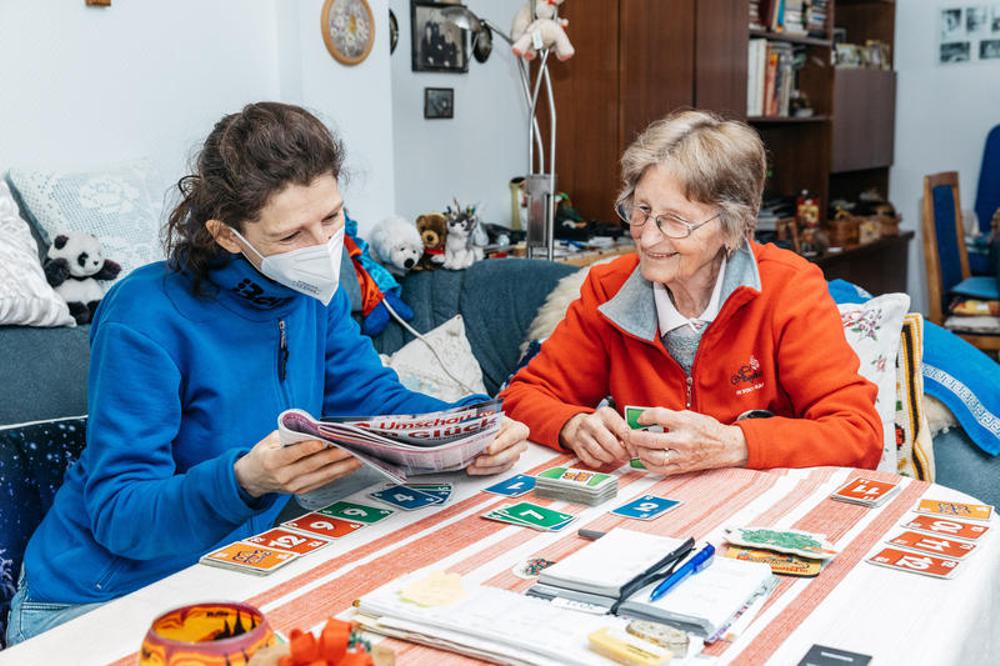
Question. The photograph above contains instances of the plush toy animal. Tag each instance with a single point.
(460, 250)
(433, 228)
(544, 27)
(73, 267)
(397, 244)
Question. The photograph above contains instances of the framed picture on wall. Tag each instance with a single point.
(437, 45)
(439, 103)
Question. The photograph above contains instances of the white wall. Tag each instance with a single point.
(84, 86)
(943, 113)
(474, 155)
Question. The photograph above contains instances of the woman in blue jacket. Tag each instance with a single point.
(192, 360)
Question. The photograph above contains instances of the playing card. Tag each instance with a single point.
(935, 545)
(361, 513)
(783, 564)
(646, 507)
(571, 477)
(290, 541)
(861, 490)
(439, 490)
(928, 565)
(538, 517)
(632, 419)
(515, 486)
(323, 525)
(944, 527)
(249, 558)
(955, 509)
(405, 498)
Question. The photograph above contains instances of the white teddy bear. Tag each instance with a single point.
(544, 28)
(397, 244)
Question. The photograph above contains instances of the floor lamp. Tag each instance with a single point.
(539, 184)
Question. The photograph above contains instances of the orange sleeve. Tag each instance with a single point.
(568, 376)
(836, 420)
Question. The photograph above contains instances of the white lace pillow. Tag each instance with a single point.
(121, 206)
(420, 371)
(872, 330)
(26, 299)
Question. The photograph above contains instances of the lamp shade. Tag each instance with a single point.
(212, 634)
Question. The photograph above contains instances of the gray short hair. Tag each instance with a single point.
(720, 162)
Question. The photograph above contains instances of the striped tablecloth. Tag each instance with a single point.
(896, 617)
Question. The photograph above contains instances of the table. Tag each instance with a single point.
(897, 617)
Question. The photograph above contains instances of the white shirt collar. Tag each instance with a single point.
(668, 316)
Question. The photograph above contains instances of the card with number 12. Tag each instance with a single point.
(928, 565)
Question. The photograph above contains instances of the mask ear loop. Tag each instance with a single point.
(424, 340)
(245, 244)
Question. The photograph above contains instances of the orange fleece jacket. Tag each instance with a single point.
(781, 348)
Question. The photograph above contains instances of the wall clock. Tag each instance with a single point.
(348, 30)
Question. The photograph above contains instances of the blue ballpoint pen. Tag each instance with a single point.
(700, 561)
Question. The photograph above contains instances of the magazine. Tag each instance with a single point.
(400, 446)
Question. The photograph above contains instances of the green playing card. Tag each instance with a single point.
(632, 419)
(537, 516)
(356, 512)
(570, 476)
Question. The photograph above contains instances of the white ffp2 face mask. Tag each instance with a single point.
(313, 271)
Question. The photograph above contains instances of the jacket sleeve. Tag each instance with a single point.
(568, 376)
(138, 505)
(836, 423)
(357, 384)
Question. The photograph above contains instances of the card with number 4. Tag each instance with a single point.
(928, 565)
(646, 507)
(515, 486)
(405, 498)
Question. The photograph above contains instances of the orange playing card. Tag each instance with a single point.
(249, 557)
(291, 541)
(927, 565)
(323, 525)
(935, 545)
(945, 527)
(868, 492)
(955, 509)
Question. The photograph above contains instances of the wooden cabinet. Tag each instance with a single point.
(864, 118)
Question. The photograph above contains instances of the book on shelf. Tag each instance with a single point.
(756, 22)
(816, 12)
(770, 78)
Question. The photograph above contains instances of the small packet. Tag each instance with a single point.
(794, 542)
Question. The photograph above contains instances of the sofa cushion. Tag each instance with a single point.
(33, 459)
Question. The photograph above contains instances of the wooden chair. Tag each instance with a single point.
(945, 255)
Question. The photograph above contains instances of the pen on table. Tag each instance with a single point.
(697, 563)
(593, 535)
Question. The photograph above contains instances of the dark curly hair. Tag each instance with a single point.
(248, 157)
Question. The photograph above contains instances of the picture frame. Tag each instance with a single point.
(348, 30)
(436, 44)
(439, 103)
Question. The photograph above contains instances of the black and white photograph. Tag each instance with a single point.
(955, 52)
(439, 103)
(437, 45)
(975, 19)
(952, 28)
(989, 49)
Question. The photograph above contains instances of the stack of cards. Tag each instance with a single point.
(413, 496)
(576, 485)
(531, 515)
(866, 492)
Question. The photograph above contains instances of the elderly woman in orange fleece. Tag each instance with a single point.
(703, 325)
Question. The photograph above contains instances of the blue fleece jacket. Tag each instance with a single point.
(179, 388)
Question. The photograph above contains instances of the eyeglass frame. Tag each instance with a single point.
(691, 226)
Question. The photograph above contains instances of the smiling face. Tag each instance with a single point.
(297, 217)
(673, 260)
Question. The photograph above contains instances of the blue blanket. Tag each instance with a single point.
(965, 379)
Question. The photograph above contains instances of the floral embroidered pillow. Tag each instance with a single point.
(872, 330)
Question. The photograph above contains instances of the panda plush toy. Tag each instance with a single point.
(73, 267)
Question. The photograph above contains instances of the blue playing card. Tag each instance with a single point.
(646, 507)
(515, 486)
(405, 498)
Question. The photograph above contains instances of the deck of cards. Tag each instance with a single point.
(531, 515)
(866, 492)
(413, 496)
(576, 485)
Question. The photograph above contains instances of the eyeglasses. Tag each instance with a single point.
(670, 225)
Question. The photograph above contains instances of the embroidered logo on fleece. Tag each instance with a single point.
(252, 292)
(748, 373)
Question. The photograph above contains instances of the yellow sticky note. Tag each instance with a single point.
(438, 588)
(626, 649)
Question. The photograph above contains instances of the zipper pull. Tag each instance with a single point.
(282, 351)
(690, 390)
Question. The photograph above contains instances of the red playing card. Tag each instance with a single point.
(290, 541)
(864, 489)
(928, 565)
(935, 545)
(945, 527)
(327, 526)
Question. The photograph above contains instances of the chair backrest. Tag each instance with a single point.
(988, 191)
(33, 460)
(945, 256)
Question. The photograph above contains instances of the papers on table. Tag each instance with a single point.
(400, 446)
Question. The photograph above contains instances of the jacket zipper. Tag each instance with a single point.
(282, 359)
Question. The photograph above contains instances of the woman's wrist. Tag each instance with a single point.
(735, 445)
